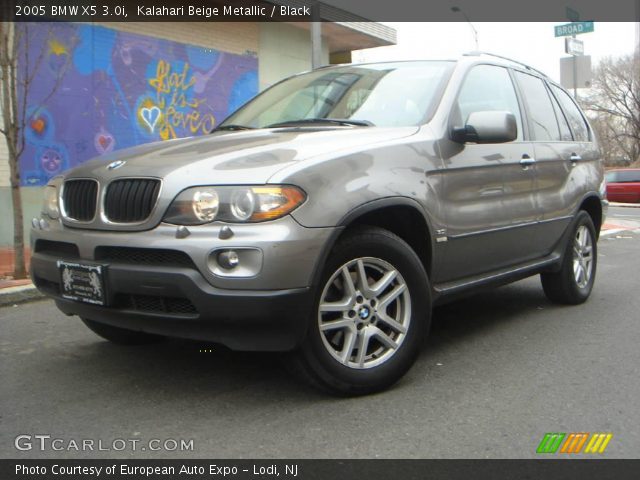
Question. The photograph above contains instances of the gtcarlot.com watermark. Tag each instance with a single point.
(49, 443)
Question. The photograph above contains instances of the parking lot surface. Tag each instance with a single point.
(498, 371)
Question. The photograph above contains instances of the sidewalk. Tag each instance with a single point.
(14, 291)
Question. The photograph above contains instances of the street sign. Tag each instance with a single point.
(572, 14)
(574, 28)
(573, 46)
(581, 66)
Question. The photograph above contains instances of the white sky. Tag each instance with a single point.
(532, 43)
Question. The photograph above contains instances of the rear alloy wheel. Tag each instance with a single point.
(573, 283)
(372, 312)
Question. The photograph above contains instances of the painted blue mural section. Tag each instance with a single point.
(96, 90)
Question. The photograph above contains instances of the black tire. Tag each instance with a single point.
(121, 336)
(313, 360)
(562, 286)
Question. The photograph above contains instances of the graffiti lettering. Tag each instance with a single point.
(174, 106)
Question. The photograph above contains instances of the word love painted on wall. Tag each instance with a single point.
(97, 90)
(174, 109)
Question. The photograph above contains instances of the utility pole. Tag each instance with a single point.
(316, 36)
(575, 75)
(473, 29)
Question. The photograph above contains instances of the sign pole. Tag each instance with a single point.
(575, 76)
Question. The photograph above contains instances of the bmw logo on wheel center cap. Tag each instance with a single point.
(364, 313)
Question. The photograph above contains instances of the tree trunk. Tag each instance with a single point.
(19, 270)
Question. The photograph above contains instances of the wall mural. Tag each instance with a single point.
(113, 90)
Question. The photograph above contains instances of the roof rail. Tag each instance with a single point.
(528, 67)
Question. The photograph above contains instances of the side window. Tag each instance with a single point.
(540, 109)
(565, 131)
(576, 120)
(628, 176)
(487, 88)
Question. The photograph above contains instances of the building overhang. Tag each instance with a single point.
(345, 31)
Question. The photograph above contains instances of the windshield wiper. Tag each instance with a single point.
(230, 128)
(332, 121)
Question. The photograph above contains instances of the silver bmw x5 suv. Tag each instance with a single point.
(327, 216)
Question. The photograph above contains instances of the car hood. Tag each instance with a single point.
(248, 156)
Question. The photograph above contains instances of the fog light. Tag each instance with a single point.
(228, 259)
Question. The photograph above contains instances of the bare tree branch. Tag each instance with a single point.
(614, 105)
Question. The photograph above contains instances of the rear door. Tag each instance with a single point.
(554, 147)
(488, 193)
(582, 160)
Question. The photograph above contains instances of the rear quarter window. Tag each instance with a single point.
(574, 116)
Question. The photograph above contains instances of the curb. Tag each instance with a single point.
(20, 294)
(626, 205)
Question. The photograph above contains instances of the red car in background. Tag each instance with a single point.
(623, 185)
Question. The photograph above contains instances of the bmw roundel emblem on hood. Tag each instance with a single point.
(116, 164)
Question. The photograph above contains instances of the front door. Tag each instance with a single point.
(489, 197)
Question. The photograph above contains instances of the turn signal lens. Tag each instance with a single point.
(50, 202)
(275, 202)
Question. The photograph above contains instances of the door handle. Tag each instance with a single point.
(527, 161)
(575, 157)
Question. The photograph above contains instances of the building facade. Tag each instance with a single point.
(102, 87)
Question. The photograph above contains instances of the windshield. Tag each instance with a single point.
(384, 95)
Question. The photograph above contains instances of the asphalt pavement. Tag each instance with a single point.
(498, 371)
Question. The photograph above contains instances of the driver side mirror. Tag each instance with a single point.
(487, 127)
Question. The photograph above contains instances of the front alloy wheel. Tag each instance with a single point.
(371, 314)
(364, 313)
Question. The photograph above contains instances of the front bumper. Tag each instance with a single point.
(266, 312)
(178, 302)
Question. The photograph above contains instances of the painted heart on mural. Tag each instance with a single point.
(150, 116)
(38, 125)
(104, 141)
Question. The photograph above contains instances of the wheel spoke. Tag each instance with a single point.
(580, 275)
(334, 324)
(363, 344)
(382, 284)
(341, 306)
(576, 269)
(349, 287)
(383, 337)
(363, 282)
(583, 235)
(397, 326)
(392, 295)
(349, 344)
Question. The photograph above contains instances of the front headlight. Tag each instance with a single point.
(199, 205)
(50, 202)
